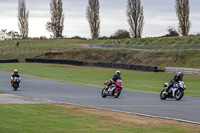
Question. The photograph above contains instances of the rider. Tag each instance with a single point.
(114, 79)
(175, 79)
(15, 74)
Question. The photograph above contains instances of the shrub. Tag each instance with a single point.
(120, 34)
(171, 32)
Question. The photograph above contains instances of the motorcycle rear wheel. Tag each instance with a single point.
(103, 94)
(179, 96)
(116, 94)
(163, 96)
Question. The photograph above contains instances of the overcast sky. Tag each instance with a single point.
(158, 15)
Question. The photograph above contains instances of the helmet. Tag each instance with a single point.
(15, 72)
(180, 74)
(118, 73)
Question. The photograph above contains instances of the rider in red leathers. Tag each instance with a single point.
(114, 79)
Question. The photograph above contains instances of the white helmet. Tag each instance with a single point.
(118, 73)
(15, 70)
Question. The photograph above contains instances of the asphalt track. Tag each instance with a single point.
(145, 104)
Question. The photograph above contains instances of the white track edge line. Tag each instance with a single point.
(139, 114)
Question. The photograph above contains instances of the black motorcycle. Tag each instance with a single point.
(15, 83)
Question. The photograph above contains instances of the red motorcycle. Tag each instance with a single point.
(113, 90)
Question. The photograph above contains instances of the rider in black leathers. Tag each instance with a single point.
(114, 79)
(175, 79)
(15, 74)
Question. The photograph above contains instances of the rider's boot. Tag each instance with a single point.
(106, 88)
(167, 89)
(166, 92)
(12, 83)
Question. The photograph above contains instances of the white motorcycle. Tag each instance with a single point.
(177, 91)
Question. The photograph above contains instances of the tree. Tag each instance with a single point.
(57, 18)
(92, 15)
(135, 17)
(183, 11)
(120, 34)
(3, 33)
(23, 19)
(13, 35)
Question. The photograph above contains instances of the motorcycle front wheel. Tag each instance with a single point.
(116, 94)
(179, 95)
(103, 93)
(15, 86)
(163, 96)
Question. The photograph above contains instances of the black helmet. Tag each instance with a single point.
(180, 74)
(118, 73)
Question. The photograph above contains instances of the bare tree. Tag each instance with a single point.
(56, 25)
(183, 12)
(3, 34)
(92, 15)
(135, 18)
(23, 19)
(13, 35)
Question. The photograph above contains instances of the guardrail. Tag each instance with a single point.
(96, 64)
(184, 70)
(146, 47)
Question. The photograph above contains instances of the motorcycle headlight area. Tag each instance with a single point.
(183, 86)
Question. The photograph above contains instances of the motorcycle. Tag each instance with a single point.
(113, 90)
(177, 91)
(15, 83)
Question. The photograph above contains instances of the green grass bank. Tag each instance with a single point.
(141, 41)
(161, 59)
(31, 48)
(47, 42)
(157, 40)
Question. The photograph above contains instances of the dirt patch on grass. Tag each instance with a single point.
(49, 55)
(118, 118)
(14, 99)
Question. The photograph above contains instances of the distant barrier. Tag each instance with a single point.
(96, 64)
(184, 70)
(9, 61)
(147, 47)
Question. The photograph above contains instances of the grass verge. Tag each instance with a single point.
(47, 43)
(95, 76)
(2, 92)
(69, 118)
